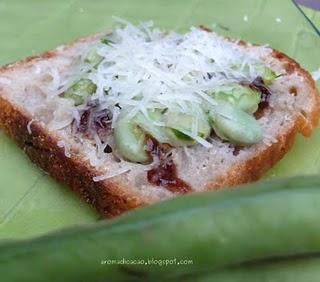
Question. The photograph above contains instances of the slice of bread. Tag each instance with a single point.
(28, 106)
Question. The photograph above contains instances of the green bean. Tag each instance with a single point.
(301, 269)
(199, 200)
(232, 124)
(79, 91)
(238, 95)
(214, 230)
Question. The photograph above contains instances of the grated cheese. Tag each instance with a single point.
(29, 126)
(107, 176)
(65, 146)
(145, 68)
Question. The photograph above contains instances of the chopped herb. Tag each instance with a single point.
(164, 111)
(106, 41)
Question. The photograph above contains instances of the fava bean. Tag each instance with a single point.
(234, 125)
(178, 123)
(130, 140)
(93, 58)
(240, 96)
(79, 91)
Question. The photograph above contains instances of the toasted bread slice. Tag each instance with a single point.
(27, 107)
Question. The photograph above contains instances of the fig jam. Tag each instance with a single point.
(84, 121)
(97, 121)
(164, 174)
(259, 85)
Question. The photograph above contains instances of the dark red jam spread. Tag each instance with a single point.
(165, 174)
(258, 84)
(94, 120)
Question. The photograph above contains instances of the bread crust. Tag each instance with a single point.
(110, 197)
(252, 169)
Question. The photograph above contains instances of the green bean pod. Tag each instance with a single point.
(215, 230)
(300, 269)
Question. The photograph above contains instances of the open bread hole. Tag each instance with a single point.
(236, 150)
(107, 149)
(293, 91)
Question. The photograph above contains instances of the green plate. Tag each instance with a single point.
(32, 203)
